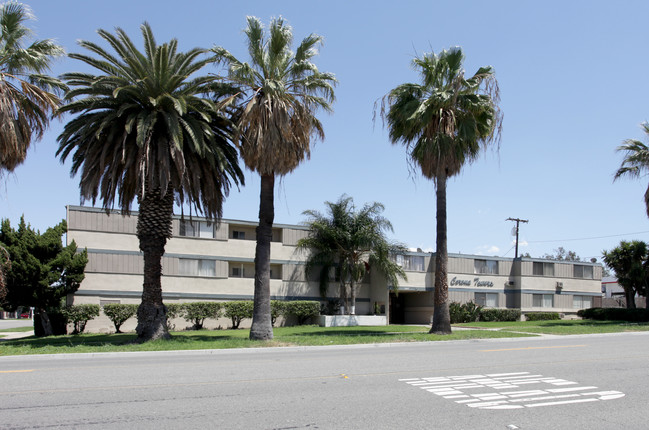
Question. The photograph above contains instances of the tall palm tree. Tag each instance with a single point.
(636, 161)
(443, 122)
(352, 242)
(28, 97)
(144, 129)
(280, 92)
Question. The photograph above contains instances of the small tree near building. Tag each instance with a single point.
(629, 260)
(43, 271)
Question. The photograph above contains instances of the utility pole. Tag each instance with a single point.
(518, 221)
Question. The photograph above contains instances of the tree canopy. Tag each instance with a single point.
(350, 242)
(148, 127)
(28, 96)
(562, 254)
(629, 260)
(636, 161)
(43, 271)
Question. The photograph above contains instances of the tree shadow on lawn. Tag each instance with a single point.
(115, 339)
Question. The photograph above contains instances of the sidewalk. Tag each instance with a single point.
(11, 335)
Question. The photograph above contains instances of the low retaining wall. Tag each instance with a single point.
(351, 320)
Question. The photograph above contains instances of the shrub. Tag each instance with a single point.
(79, 315)
(500, 314)
(303, 310)
(174, 310)
(464, 312)
(542, 316)
(615, 314)
(198, 312)
(277, 309)
(238, 310)
(118, 313)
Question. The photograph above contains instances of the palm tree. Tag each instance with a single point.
(351, 242)
(636, 161)
(280, 91)
(28, 97)
(145, 130)
(443, 122)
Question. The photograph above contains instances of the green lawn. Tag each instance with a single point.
(304, 336)
(223, 339)
(561, 327)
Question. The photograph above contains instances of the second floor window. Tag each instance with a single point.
(581, 271)
(196, 267)
(489, 267)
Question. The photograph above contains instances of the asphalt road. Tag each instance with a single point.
(24, 322)
(576, 382)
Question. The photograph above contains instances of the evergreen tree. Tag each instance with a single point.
(42, 271)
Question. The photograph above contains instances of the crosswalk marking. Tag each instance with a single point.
(478, 391)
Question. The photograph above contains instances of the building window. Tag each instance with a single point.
(582, 302)
(580, 271)
(543, 300)
(412, 263)
(489, 267)
(197, 229)
(488, 300)
(236, 272)
(542, 269)
(237, 234)
(196, 267)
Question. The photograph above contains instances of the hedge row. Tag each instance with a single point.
(471, 312)
(194, 312)
(542, 316)
(615, 314)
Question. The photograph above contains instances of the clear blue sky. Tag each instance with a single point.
(573, 86)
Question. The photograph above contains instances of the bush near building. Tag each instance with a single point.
(277, 309)
(303, 310)
(493, 314)
(471, 312)
(542, 316)
(615, 314)
(198, 312)
(79, 315)
(237, 311)
(119, 313)
(464, 312)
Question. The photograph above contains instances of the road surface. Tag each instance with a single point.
(570, 382)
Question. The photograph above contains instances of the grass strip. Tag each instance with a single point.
(225, 339)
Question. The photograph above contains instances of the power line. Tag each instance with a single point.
(585, 238)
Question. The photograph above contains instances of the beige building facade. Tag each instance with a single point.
(204, 261)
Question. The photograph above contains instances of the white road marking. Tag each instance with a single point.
(477, 391)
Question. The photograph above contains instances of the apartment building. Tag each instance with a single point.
(204, 261)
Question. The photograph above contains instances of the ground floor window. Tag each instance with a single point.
(543, 300)
(582, 302)
(488, 300)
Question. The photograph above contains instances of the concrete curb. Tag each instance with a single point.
(289, 349)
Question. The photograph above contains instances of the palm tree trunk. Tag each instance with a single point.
(262, 328)
(441, 315)
(153, 229)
